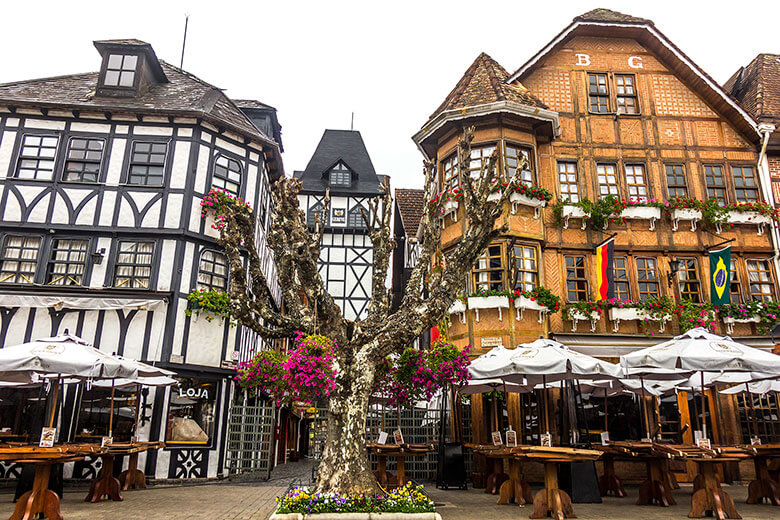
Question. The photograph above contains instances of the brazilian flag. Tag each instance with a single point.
(720, 276)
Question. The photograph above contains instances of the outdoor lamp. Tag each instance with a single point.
(674, 266)
(97, 256)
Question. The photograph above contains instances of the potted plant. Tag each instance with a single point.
(213, 303)
(765, 313)
(563, 211)
(758, 213)
(634, 209)
(656, 309)
(450, 202)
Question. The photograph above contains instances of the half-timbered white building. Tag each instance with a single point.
(101, 178)
(342, 165)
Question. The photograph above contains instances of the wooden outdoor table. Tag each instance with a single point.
(609, 481)
(40, 499)
(711, 499)
(510, 487)
(553, 501)
(382, 451)
(763, 487)
(133, 477)
(657, 486)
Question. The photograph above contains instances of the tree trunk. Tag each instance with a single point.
(344, 467)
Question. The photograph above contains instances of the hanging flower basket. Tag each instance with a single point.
(569, 212)
(451, 206)
(494, 197)
(578, 316)
(686, 214)
(729, 322)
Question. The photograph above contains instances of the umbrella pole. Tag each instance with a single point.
(54, 402)
(752, 412)
(137, 409)
(546, 406)
(703, 409)
(643, 408)
(111, 411)
(606, 421)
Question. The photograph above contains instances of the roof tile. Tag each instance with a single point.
(485, 82)
(411, 204)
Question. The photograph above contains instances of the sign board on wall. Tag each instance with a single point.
(491, 342)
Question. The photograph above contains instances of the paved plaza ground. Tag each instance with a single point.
(255, 501)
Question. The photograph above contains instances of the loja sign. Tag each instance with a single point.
(194, 393)
(583, 60)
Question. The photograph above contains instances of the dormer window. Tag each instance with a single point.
(340, 175)
(121, 70)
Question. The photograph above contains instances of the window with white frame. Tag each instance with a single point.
(512, 154)
(607, 177)
(36, 157)
(355, 218)
(567, 181)
(134, 265)
(67, 262)
(213, 271)
(19, 259)
(227, 174)
(82, 163)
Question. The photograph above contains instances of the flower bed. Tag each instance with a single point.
(409, 499)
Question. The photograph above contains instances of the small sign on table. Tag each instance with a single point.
(382, 438)
(47, 437)
(497, 441)
(546, 440)
(604, 438)
(511, 438)
(398, 437)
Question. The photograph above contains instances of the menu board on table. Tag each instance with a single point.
(511, 438)
(604, 438)
(106, 441)
(398, 437)
(755, 440)
(546, 440)
(704, 443)
(382, 438)
(47, 437)
(497, 439)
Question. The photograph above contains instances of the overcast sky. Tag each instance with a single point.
(391, 63)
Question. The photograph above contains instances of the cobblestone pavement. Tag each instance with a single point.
(255, 501)
(475, 504)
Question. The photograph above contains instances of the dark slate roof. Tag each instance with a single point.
(183, 95)
(410, 204)
(607, 15)
(252, 103)
(485, 82)
(757, 87)
(335, 146)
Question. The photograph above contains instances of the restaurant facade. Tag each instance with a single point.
(610, 106)
(102, 176)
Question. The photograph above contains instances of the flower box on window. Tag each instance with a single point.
(494, 197)
(459, 307)
(729, 322)
(642, 213)
(577, 316)
(745, 217)
(450, 206)
(519, 198)
(488, 302)
(618, 314)
(687, 214)
(523, 303)
(574, 212)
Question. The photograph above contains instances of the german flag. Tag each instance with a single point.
(605, 269)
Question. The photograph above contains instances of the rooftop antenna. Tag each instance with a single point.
(184, 40)
(352, 122)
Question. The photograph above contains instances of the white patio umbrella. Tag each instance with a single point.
(541, 361)
(698, 350)
(61, 356)
(481, 386)
(756, 387)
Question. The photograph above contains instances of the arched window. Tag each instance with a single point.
(213, 271)
(340, 175)
(355, 218)
(227, 174)
(313, 212)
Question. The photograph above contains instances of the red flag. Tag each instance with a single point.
(605, 269)
(435, 335)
